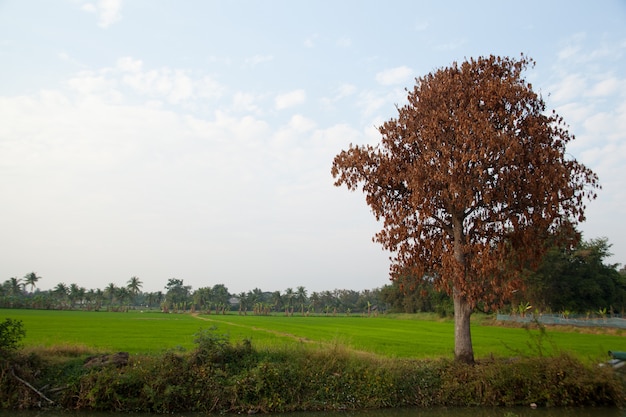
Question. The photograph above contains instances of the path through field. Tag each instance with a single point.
(295, 338)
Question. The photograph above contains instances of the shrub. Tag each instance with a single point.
(11, 334)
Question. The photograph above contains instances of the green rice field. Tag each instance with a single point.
(394, 336)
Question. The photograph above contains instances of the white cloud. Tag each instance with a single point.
(606, 86)
(301, 124)
(174, 84)
(245, 102)
(568, 87)
(108, 11)
(290, 99)
(129, 64)
(258, 59)
(309, 42)
(421, 26)
(451, 45)
(90, 83)
(343, 91)
(344, 42)
(397, 75)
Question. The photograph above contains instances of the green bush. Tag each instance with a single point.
(219, 377)
(11, 334)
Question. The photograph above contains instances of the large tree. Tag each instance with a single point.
(469, 180)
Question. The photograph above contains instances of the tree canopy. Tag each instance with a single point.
(469, 180)
(577, 279)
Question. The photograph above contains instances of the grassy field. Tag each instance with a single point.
(395, 336)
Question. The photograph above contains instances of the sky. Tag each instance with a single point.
(194, 139)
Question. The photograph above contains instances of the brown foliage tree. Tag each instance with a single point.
(470, 179)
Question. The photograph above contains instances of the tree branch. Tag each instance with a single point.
(31, 387)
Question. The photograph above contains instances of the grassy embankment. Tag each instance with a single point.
(298, 363)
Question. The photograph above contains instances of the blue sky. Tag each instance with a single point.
(194, 139)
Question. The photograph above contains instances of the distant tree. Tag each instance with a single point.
(469, 180)
(301, 297)
(134, 285)
(110, 291)
(98, 298)
(14, 286)
(150, 299)
(252, 297)
(31, 279)
(348, 299)
(329, 301)
(243, 303)
(288, 297)
(61, 293)
(76, 294)
(221, 297)
(177, 293)
(315, 301)
(277, 300)
(577, 279)
(123, 297)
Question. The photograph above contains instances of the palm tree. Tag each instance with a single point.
(98, 299)
(110, 292)
(31, 279)
(243, 303)
(315, 300)
(77, 294)
(252, 297)
(89, 298)
(277, 300)
(134, 286)
(15, 286)
(301, 297)
(202, 298)
(61, 291)
(150, 300)
(123, 295)
(289, 294)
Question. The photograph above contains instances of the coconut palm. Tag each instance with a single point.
(315, 300)
(124, 296)
(301, 297)
(277, 300)
(31, 279)
(243, 303)
(289, 295)
(14, 286)
(134, 286)
(76, 294)
(61, 292)
(110, 292)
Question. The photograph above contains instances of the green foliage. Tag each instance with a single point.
(11, 335)
(551, 382)
(414, 298)
(216, 349)
(220, 376)
(577, 279)
(301, 379)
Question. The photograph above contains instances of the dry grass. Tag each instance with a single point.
(58, 354)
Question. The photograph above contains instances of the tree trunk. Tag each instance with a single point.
(463, 350)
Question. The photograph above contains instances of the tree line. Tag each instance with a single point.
(569, 280)
(178, 297)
